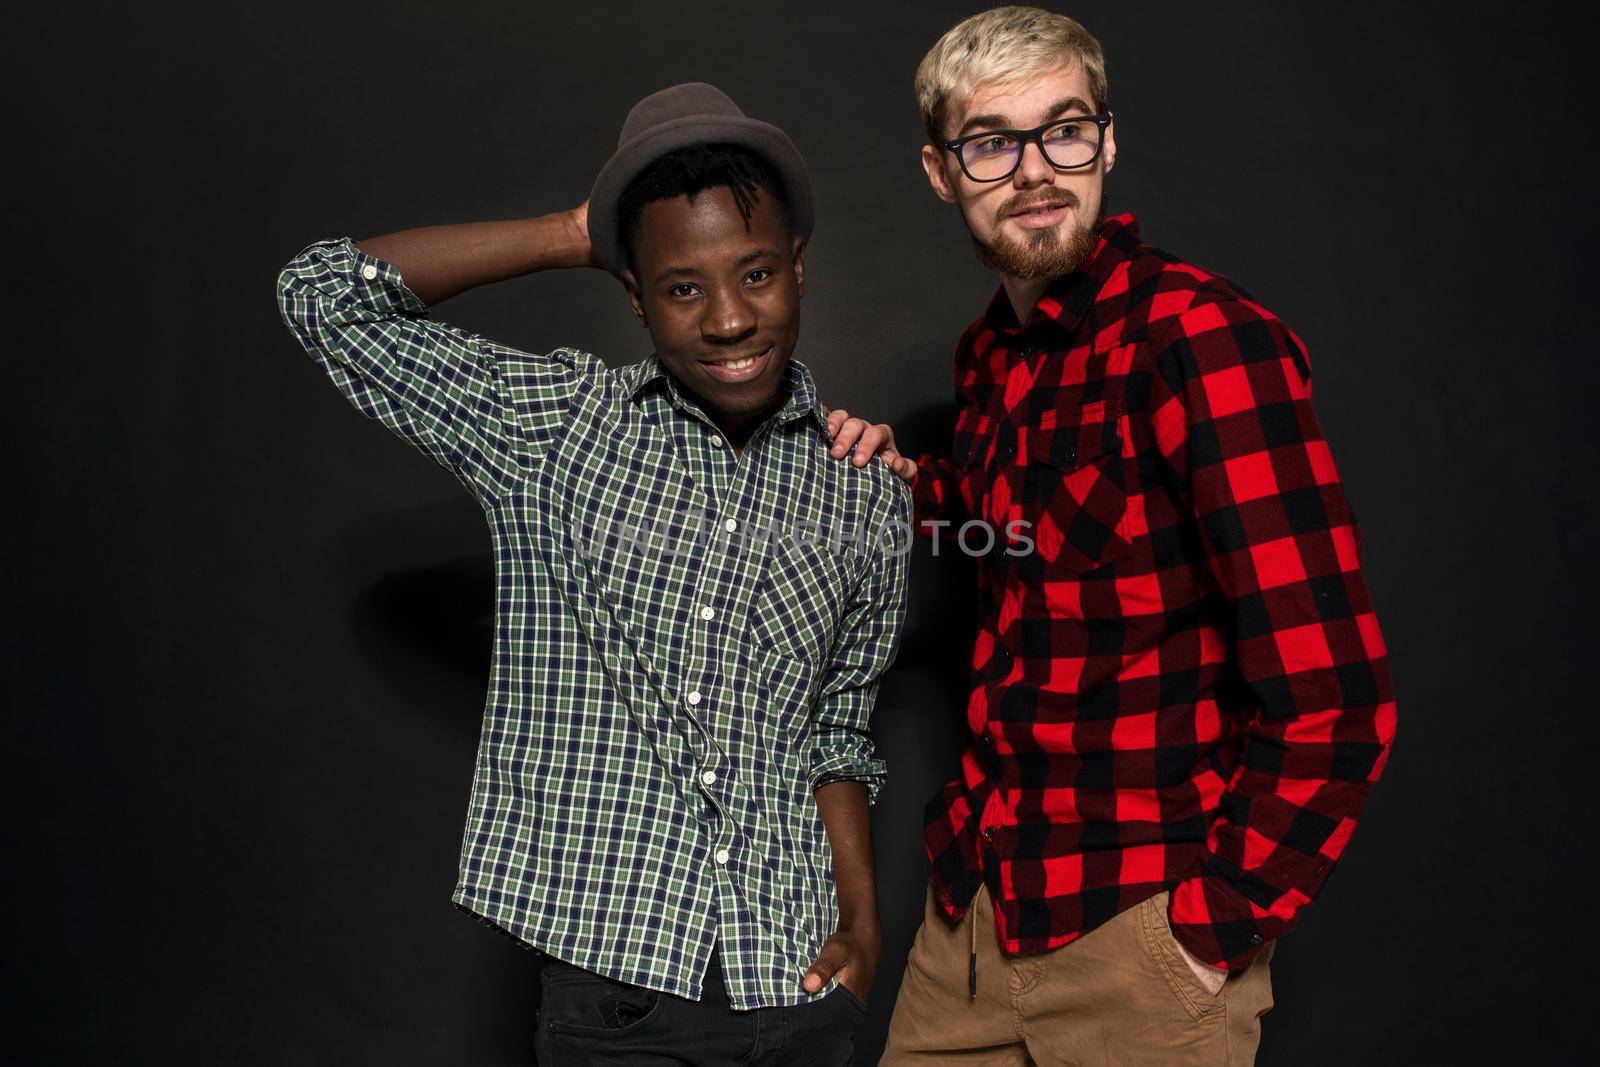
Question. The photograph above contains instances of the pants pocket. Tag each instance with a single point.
(854, 1004)
(579, 1003)
(1196, 999)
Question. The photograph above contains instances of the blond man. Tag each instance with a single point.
(1180, 695)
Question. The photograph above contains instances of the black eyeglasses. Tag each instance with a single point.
(1068, 144)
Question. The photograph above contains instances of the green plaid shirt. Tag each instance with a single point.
(687, 642)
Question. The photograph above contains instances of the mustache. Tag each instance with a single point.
(1026, 201)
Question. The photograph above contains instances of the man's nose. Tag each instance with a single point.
(728, 317)
(1033, 169)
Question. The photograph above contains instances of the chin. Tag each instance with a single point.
(748, 398)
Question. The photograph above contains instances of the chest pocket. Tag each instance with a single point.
(801, 599)
(1073, 490)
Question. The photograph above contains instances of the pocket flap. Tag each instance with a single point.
(1068, 445)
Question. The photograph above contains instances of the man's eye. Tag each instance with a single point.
(682, 290)
(985, 146)
(760, 274)
(1069, 132)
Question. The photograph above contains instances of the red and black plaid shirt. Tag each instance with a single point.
(1182, 685)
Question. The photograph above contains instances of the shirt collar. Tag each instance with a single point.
(802, 401)
(1067, 299)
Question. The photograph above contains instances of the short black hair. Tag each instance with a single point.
(694, 169)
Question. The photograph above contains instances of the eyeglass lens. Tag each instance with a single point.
(1068, 144)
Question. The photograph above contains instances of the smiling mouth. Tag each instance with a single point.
(1043, 213)
(737, 370)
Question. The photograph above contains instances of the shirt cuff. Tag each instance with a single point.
(870, 773)
(376, 283)
(1217, 925)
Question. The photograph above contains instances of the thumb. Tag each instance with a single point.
(821, 971)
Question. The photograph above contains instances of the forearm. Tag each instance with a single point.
(843, 805)
(437, 262)
(937, 507)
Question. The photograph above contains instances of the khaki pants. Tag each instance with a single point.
(1119, 996)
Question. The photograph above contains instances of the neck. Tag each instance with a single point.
(1024, 293)
(738, 427)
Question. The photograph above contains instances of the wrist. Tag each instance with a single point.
(557, 241)
(579, 252)
(866, 930)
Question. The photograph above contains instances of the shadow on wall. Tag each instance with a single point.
(429, 633)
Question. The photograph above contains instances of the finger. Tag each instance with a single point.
(906, 468)
(836, 419)
(849, 431)
(872, 439)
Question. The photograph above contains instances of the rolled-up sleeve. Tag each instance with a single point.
(865, 644)
(444, 389)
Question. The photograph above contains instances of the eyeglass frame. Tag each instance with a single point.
(1101, 120)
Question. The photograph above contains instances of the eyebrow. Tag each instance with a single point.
(690, 272)
(1000, 122)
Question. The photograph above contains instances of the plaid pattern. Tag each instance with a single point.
(1182, 685)
(674, 670)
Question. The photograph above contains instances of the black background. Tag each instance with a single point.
(250, 629)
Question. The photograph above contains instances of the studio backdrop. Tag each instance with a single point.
(250, 630)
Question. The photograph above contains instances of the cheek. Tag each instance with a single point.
(780, 308)
(979, 211)
(674, 332)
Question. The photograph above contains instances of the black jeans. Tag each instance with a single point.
(585, 1018)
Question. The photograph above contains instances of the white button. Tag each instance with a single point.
(730, 526)
(693, 698)
(716, 442)
(369, 272)
(708, 614)
(722, 855)
(708, 777)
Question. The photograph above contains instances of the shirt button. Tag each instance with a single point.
(722, 856)
(693, 698)
(986, 741)
(716, 442)
(708, 614)
(1255, 939)
(730, 526)
(708, 777)
(988, 833)
(369, 272)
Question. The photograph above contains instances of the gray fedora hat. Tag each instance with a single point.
(677, 117)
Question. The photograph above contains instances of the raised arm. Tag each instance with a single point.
(438, 262)
(482, 410)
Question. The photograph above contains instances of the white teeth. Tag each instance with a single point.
(741, 364)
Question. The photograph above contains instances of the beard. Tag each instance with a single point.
(1041, 253)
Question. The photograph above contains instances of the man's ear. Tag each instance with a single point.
(635, 297)
(1109, 149)
(800, 264)
(933, 163)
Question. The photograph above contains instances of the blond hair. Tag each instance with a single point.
(1005, 46)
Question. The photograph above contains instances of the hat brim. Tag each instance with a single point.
(631, 159)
